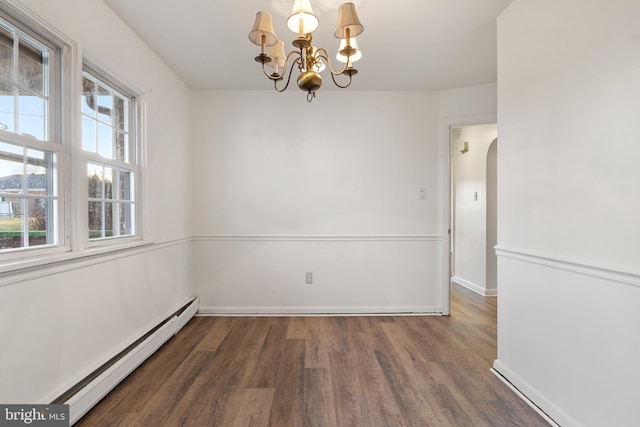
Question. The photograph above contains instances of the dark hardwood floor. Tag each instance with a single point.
(323, 371)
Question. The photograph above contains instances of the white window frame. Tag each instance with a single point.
(60, 64)
(65, 140)
(135, 165)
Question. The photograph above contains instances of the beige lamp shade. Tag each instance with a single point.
(302, 19)
(354, 45)
(263, 26)
(348, 18)
(277, 55)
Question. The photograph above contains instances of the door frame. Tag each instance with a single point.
(445, 199)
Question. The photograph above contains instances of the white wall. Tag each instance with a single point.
(470, 206)
(284, 187)
(332, 187)
(568, 96)
(58, 323)
(492, 218)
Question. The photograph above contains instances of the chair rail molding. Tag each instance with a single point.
(629, 278)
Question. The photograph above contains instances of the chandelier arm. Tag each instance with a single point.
(274, 76)
(275, 82)
(333, 77)
(325, 56)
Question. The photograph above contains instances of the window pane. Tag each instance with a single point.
(31, 115)
(11, 149)
(122, 147)
(95, 220)
(105, 141)
(94, 173)
(6, 54)
(6, 210)
(120, 113)
(7, 107)
(18, 211)
(108, 219)
(105, 104)
(38, 221)
(11, 168)
(126, 219)
(31, 67)
(108, 183)
(88, 97)
(38, 173)
(88, 135)
(126, 185)
(12, 225)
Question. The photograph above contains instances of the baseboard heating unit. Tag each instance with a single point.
(87, 393)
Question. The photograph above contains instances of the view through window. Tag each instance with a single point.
(28, 153)
(109, 143)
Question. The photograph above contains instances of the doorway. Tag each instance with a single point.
(473, 263)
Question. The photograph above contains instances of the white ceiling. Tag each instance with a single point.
(406, 44)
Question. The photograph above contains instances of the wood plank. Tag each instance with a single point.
(217, 332)
(318, 398)
(255, 408)
(325, 372)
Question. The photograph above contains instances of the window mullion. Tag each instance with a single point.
(16, 71)
(25, 200)
(115, 215)
(103, 202)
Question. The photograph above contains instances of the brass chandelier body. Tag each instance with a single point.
(309, 60)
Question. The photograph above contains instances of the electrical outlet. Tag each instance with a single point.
(309, 278)
(423, 194)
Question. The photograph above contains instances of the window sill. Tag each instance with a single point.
(23, 264)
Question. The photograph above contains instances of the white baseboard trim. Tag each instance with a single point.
(547, 410)
(319, 311)
(85, 399)
(473, 287)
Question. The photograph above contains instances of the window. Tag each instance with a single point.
(110, 147)
(29, 140)
(58, 192)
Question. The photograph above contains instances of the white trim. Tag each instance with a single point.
(101, 75)
(106, 72)
(524, 398)
(91, 394)
(82, 402)
(473, 287)
(71, 134)
(318, 311)
(22, 13)
(543, 406)
(284, 238)
(125, 343)
(61, 102)
(629, 278)
(142, 210)
(35, 268)
(446, 123)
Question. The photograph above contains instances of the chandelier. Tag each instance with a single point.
(309, 59)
